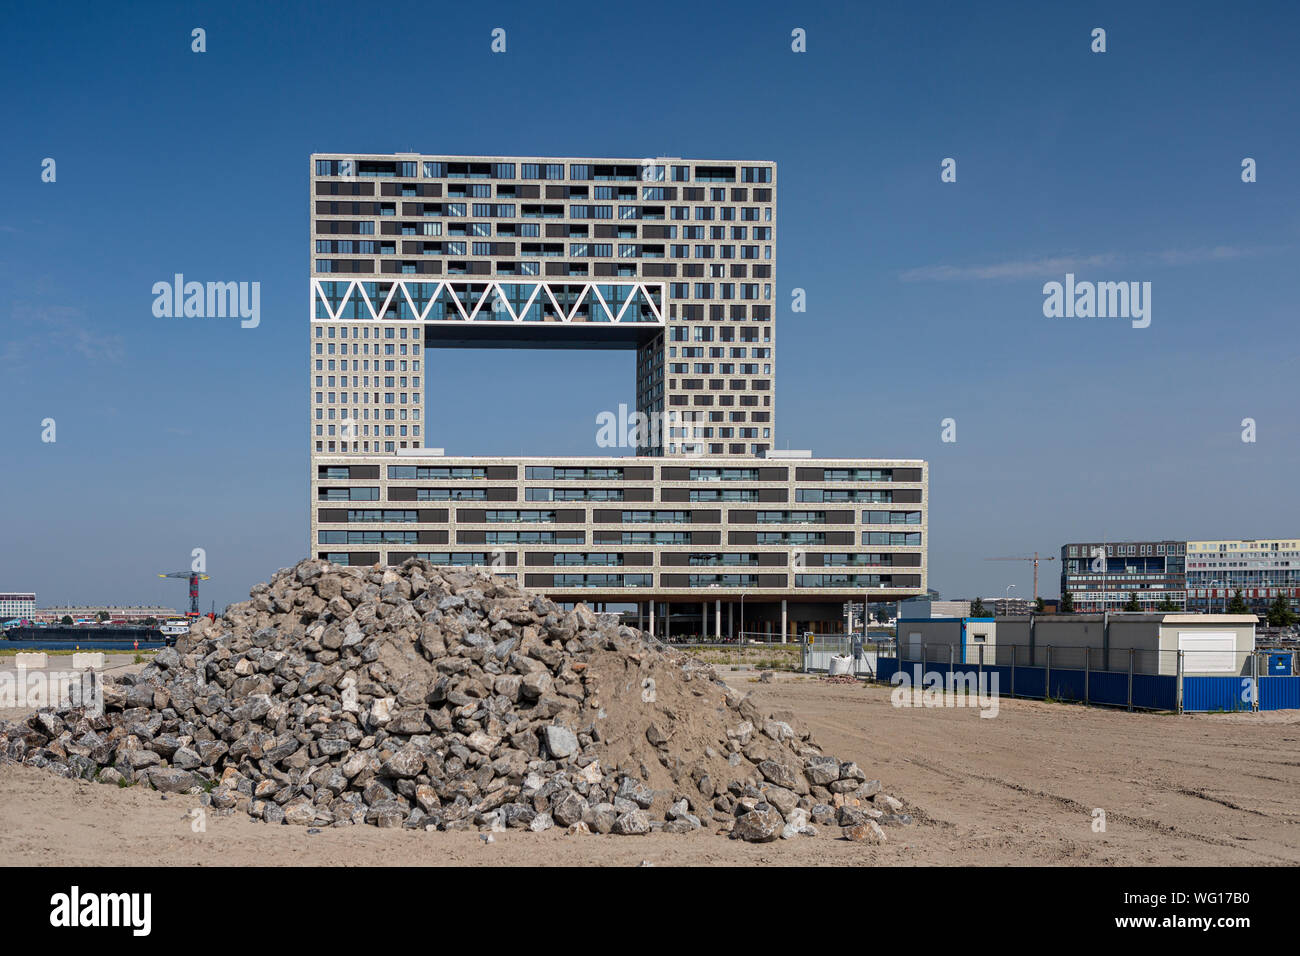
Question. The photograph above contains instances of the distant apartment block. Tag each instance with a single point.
(112, 612)
(1261, 569)
(1009, 607)
(17, 604)
(1104, 575)
(923, 608)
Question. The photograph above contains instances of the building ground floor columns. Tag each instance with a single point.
(762, 618)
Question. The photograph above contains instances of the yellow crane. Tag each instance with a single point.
(1035, 558)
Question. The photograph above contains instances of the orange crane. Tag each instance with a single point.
(194, 578)
(1034, 559)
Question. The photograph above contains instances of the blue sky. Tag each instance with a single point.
(924, 298)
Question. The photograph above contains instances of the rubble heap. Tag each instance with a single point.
(451, 699)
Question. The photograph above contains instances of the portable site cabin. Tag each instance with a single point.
(1212, 644)
(961, 640)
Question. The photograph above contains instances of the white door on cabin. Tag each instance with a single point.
(1213, 653)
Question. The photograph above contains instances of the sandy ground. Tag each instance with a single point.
(115, 663)
(1016, 789)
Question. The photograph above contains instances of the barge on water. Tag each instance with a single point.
(101, 637)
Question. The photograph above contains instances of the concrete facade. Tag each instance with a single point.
(779, 531)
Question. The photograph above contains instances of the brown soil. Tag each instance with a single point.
(1016, 789)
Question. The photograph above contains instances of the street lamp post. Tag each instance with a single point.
(1009, 587)
(1209, 601)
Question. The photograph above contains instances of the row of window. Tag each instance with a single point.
(487, 210)
(348, 428)
(618, 559)
(578, 250)
(512, 191)
(1113, 550)
(603, 581)
(458, 169)
(541, 516)
(596, 473)
(911, 539)
(703, 495)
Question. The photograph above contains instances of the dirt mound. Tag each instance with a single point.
(436, 698)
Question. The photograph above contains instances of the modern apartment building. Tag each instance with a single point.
(17, 604)
(777, 543)
(672, 258)
(1103, 575)
(703, 525)
(1261, 569)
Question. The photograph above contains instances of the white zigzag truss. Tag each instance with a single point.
(493, 296)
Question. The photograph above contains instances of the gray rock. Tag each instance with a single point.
(569, 808)
(406, 762)
(601, 818)
(172, 781)
(822, 770)
(761, 825)
(783, 775)
(561, 742)
(632, 823)
(866, 832)
(139, 759)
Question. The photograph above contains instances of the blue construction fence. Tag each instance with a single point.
(1170, 692)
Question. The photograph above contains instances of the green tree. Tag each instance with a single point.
(1039, 606)
(1133, 604)
(1280, 613)
(977, 608)
(1067, 603)
(151, 622)
(66, 619)
(1238, 604)
(102, 616)
(1167, 605)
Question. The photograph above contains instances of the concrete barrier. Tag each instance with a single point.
(31, 662)
(88, 661)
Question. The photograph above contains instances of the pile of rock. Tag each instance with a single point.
(436, 698)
